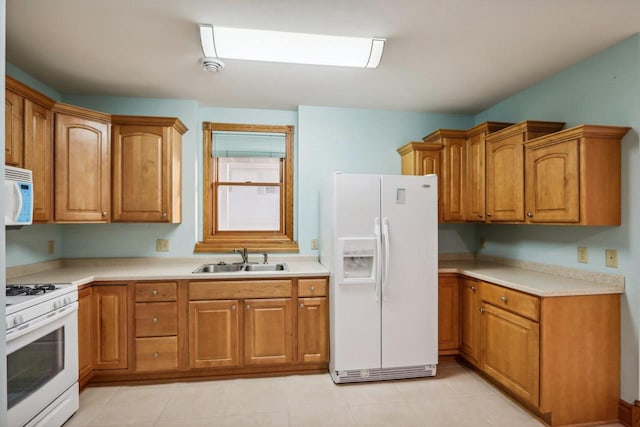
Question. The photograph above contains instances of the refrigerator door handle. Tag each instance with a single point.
(378, 256)
(385, 238)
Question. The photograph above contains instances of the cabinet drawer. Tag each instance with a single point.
(508, 299)
(239, 289)
(156, 319)
(312, 288)
(156, 291)
(156, 354)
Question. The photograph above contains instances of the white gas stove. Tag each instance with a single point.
(42, 354)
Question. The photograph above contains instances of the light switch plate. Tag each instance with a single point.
(611, 258)
(583, 254)
(162, 245)
(314, 244)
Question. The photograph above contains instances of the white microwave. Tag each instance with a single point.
(18, 196)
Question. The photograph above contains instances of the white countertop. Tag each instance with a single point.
(530, 281)
(541, 283)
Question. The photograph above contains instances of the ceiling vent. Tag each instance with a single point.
(212, 64)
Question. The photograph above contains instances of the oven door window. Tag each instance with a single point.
(34, 365)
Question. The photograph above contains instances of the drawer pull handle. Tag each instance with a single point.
(503, 299)
(155, 355)
(154, 292)
(155, 320)
(233, 307)
(248, 307)
(312, 288)
(530, 215)
(473, 288)
(482, 310)
(301, 305)
(164, 214)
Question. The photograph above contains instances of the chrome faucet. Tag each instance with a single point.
(243, 253)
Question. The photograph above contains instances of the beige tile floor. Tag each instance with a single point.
(457, 397)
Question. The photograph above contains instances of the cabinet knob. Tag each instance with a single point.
(155, 355)
(233, 307)
(154, 292)
(154, 320)
(104, 213)
(488, 214)
(164, 214)
(479, 215)
(503, 299)
(530, 215)
(301, 305)
(312, 288)
(482, 310)
(248, 307)
(473, 288)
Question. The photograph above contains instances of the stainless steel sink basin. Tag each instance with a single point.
(218, 268)
(266, 267)
(231, 268)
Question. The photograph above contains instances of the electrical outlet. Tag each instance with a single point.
(611, 258)
(314, 244)
(583, 254)
(162, 245)
(483, 242)
(51, 247)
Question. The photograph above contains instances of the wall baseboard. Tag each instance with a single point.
(629, 414)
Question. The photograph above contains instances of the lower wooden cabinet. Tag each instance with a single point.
(313, 330)
(511, 351)
(156, 353)
(448, 314)
(470, 320)
(214, 328)
(268, 331)
(109, 327)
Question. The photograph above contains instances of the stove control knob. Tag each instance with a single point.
(17, 320)
(67, 300)
(57, 304)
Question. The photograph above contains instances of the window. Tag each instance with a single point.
(248, 188)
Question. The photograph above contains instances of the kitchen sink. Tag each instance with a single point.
(265, 267)
(231, 268)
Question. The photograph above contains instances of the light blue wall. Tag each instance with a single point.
(32, 82)
(604, 89)
(362, 141)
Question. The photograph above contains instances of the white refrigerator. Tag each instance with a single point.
(379, 240)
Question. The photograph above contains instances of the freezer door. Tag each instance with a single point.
(355, 311)
(410, 270)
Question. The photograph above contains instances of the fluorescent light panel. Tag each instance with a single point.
(297, 48)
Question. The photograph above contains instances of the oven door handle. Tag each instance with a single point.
(41, 321)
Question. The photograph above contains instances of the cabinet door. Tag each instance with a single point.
(85, 336)
(38, 157)
(268, 325)
(428, 162)
(13, 128)
(511, 351)
(470, 320)
(313, 328)
(140, 173)
(453, 169)
(505, 180)
(448, 315)
(475, 179)
(110, 326)
(82, 170)
(553, 182)
(213, 333)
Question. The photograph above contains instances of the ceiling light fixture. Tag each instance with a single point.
(296, 48)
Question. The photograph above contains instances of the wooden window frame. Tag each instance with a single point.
(226, 241)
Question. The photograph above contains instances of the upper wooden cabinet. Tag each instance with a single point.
(505, 169)
(451, 183)
(29, 142)
(82, 165)
(573, 176)
(420, 158)
(475, 196)
(147, 169)
(13, 128)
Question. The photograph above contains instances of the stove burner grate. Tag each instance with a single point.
(15, 290)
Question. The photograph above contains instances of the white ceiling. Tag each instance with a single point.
(456, 56)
